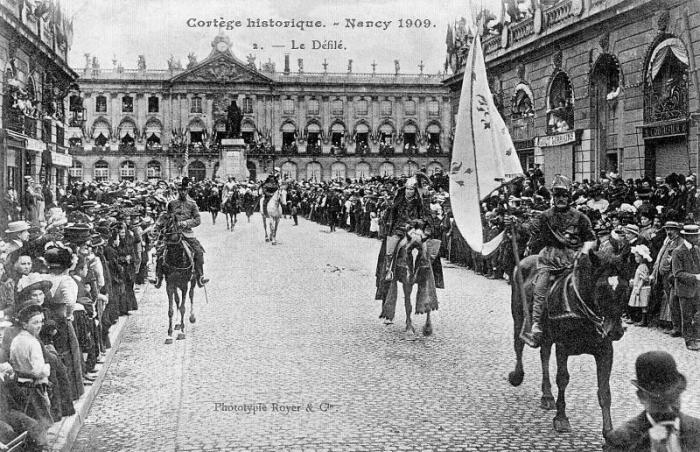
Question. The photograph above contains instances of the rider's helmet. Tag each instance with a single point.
(561, 186)
(184, 184)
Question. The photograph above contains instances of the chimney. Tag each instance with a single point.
(286, 63)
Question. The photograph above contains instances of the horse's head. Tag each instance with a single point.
(601, 286)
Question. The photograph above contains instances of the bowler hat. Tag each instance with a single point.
(657, 374)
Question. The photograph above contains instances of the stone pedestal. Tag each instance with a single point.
(233, 161)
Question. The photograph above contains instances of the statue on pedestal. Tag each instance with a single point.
(233, 122)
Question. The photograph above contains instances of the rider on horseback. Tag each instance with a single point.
(186, 216)
(269, 187)
(408, 220)
(229, 188)
(557, 235)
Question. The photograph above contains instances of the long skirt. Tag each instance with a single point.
(24, 399)
(66, 343)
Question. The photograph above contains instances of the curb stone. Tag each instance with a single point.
(62, 434)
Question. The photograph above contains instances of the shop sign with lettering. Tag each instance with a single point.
(556, 140)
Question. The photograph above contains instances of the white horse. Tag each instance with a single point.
(274, 213)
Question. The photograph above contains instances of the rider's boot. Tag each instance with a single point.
(199, 270)
(538, 300)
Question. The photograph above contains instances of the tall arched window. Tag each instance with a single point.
(76, 171)
(386, 169)
(313, 172)
(666, 82)
(289, 170)
(338, 171)
(101, 171)
(153, 170)
(363, 170)
(560, 104)
(127, 171)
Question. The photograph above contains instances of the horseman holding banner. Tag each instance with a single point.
(183, 212)
(557, 236)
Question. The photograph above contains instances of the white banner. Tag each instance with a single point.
(483, 155)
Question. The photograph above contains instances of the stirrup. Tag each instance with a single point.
(389, 276)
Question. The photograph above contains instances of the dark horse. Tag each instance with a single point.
(230, 209)
(414, 263)
(584, 309)
(178, 269)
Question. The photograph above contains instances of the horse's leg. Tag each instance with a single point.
(428, 327)
(176, 298)
(516, 376)
(181, 308)
(192, 318)
(274, 224)
(604, 361)
(561, 422)
(547, 401)
(410, 329)
(169, 339)
(267, 238)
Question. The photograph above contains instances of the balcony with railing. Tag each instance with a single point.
(16, 121)
(522, 127)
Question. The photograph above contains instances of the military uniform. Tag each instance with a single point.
(269, 187)
(556, 235)
(185, 212)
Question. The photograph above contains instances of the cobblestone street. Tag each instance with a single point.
(288, 354)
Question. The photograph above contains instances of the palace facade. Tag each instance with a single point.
(34, 43)
(590, 87)
(144, 124)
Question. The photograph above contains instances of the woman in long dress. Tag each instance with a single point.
(62, 300)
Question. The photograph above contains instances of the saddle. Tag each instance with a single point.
(563, 302)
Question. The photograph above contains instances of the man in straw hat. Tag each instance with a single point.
(556, 235)
(661, 273)
(686, 274)
(661, 426)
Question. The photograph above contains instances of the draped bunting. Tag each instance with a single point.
(669, 46)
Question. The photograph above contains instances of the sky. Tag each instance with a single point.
(123, 29)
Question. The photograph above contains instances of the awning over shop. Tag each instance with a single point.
(289, 127)
(313, 128)
(663, 50)
(362, 128)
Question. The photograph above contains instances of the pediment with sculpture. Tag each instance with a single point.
(221, 70)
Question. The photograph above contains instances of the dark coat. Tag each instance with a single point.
(685, 265)
(634, 435)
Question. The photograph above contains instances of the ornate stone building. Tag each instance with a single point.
(34, 43)
(144, 124)
(594, 86)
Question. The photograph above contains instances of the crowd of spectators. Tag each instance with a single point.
(69, 270)
(637, 222)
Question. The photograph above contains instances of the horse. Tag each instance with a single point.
(274, 213)
(178, 269)
(414, 263)
(230, 209)
(583, 317)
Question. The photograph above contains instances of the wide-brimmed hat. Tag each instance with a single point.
(57, 217)
(26, 292)
(27, 311)
(17, 226)
(59, 257)
(77, 233)
(643, 251)
(672, 225)
(691, 229)
(657, 375)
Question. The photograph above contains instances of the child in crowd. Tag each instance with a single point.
(641, 289)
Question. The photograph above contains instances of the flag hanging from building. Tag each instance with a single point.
(483, 154)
